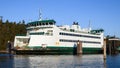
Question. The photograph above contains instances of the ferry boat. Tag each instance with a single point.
(45, 35)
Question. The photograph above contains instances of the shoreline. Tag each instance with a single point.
(3, 52)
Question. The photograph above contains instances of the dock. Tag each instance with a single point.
(112, 45)
(3, 52)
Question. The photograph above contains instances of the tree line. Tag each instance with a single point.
(8, 31)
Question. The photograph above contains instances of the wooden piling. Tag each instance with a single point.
(9, 47)
(109, 49)
(104, 48)
(79, 48)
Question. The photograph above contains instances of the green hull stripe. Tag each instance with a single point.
(69, 49)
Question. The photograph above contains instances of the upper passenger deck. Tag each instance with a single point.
(41, 24)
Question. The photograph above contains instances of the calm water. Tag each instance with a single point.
(58, 61)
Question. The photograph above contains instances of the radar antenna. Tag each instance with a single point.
(40, 15)
(89, 27)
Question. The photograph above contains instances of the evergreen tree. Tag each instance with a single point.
(8, 31)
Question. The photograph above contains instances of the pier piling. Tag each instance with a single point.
(104, 50)
(79, 47)
(9, 47)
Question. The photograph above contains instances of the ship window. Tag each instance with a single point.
(51, 23)
(40, 23)
(66, 40)
(78, 35)
(37, 33)
(46, 23)
(43, 24)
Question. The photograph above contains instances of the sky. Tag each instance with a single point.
(103, 14)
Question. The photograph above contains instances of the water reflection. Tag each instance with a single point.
(6, 61)
(60, 61)
(113, 61)
(105, 65)
(53, 61)
(21, 61)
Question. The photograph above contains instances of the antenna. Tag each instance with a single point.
(89, 27)
(89, 24)
(40, 15)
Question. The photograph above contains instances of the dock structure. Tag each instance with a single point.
(3, 52)
(79, 47)
(113, 44)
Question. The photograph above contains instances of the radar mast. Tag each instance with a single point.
(40, 15)
(89, 26)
